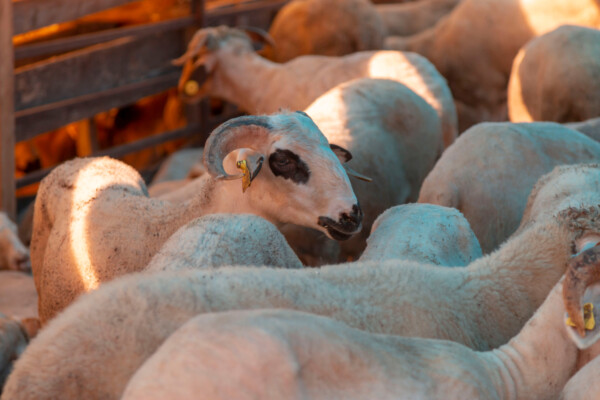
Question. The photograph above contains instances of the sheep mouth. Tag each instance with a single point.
(337, 231)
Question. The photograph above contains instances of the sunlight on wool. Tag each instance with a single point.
(78, 228)
(542, 19)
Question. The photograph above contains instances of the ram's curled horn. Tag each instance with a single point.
(243, 132)
(355, 174)
(194, 48)
(259, 35)
(582, 271)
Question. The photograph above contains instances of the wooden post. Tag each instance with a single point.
(8, 201)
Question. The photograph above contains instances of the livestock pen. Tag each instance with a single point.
(62, 62)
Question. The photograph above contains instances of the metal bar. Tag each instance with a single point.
(119, 151)
(8, 201)
(75, 42)
(34, 121)
(35, 14)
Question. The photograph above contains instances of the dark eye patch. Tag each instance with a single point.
(288, 165)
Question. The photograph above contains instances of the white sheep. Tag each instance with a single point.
(237, 74)
(590, 128)
(224, 239)
(488, 173)
(485, 36)
(544, 87)
(396, 149)
(93, 220)
(106, 346)
(584, 384)
(423, 233)
(482, 305)
(13, 254)
(325, 27)
(277, 354)
(404, 19)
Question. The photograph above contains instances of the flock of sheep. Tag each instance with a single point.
(448, 244)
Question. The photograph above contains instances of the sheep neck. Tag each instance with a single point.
(211, 196)
(516, 279)
(241, 80)
(537, 362)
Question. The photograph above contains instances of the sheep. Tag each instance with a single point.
(584, 384)
(590, 128)
(423, 233)
(396, 149)
(274, 354)
(224, 239)
(13, 254)
(304, 27)
(237, 74)
(485, 36)
(488, 173)
(543, 87)
(110, 333)
(407, 19)
(93, 220)
(482, 305)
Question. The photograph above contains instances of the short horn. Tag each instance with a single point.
(259, 35)
(194, 48)
(243, 132)
(582, 271)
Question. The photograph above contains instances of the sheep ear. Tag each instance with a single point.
(592, 296)
(343, 154)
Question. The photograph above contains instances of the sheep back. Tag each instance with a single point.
(423, 233)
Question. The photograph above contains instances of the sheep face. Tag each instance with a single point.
(205, 49)
(302, 181)
(13, 254)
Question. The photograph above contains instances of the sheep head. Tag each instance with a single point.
(302, 181)
(583, 271)
(202, 52)
(13, 253)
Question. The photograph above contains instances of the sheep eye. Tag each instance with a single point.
(289, 165)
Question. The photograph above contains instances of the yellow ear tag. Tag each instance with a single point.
(243, 165)
(588, 317)
(191, 88)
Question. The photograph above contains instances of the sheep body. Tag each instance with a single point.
(590, 128)
(406, 19)
(423, 233)
(543, 87)
(485, 36)
(231, 59)
(94, 221)
(300, 29)
(224, 239)
(482, 305)
(275, 354)
(490, 170)
(396, 149)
